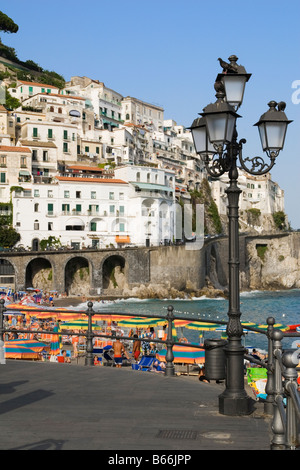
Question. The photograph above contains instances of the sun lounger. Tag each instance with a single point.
(144, 364)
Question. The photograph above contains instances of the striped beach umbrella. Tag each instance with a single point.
(203, 326)
(78, 325)
(184, 355)
(140, 322)
(35, 345)
(20, 352)
(278, 326)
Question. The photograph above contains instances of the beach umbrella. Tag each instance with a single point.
(78, 325)
(278, 326)
(140, 322)
(35, 345)
(203, 326)
(184, 354)
(19, 352)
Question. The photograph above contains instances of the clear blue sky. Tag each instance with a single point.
(165, 52)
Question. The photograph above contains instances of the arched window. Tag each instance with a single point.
(36, 225)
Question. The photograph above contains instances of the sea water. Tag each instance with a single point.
(256, 307)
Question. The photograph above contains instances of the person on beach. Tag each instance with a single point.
(202, 377)
(136, 350)
(66, 358)
(119, 350)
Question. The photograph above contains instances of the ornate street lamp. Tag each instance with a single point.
(220, 150)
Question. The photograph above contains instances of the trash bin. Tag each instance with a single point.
(215, 359)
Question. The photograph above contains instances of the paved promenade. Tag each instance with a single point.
(51, 406)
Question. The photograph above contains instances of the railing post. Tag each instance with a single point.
(170, 370)
(268, 405)
(278, 424)
(89, 360)
(290, 361)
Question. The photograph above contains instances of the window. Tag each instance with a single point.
(111, 196)
(66, 135)
(23, 162)
(50, 193)
(30, 90)
(122, 227)
(93, 226)
(94, 208)
(2, 177)
(3, 160)
(36, 193)
(65, 208)
(36, 225)
(34, 155)
(66, 194)
(138, 176)
(78, 194)
(34, 132)
(50, 209)
(93, 194)
(50, 225)
(97, 150)
(121, 196)
(65, 147)
(121, 210)
(86, 149)
(111, 209)
(45, 156)
(36, 207)
(78, 208)
(50, 134)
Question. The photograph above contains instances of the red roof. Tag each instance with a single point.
(7, 148)
(82, 167)
(43, 85)
(89, 180)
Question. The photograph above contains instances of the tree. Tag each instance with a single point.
(8, 237)
(11, 102)
(7, 24)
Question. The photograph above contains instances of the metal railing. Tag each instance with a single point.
(282, 401)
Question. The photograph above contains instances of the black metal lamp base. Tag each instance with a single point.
(235, 406)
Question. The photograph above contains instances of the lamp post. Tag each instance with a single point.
(215, 139)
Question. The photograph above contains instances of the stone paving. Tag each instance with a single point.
(73, 407)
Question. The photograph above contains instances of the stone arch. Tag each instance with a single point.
(77, 276)
(113, 273)
(39, 274)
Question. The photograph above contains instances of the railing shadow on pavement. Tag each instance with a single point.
(282, 401)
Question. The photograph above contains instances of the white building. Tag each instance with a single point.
(134, 208)
(258, 192)
(25, 89)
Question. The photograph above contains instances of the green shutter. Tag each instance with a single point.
(50, 133)
(35, 132)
